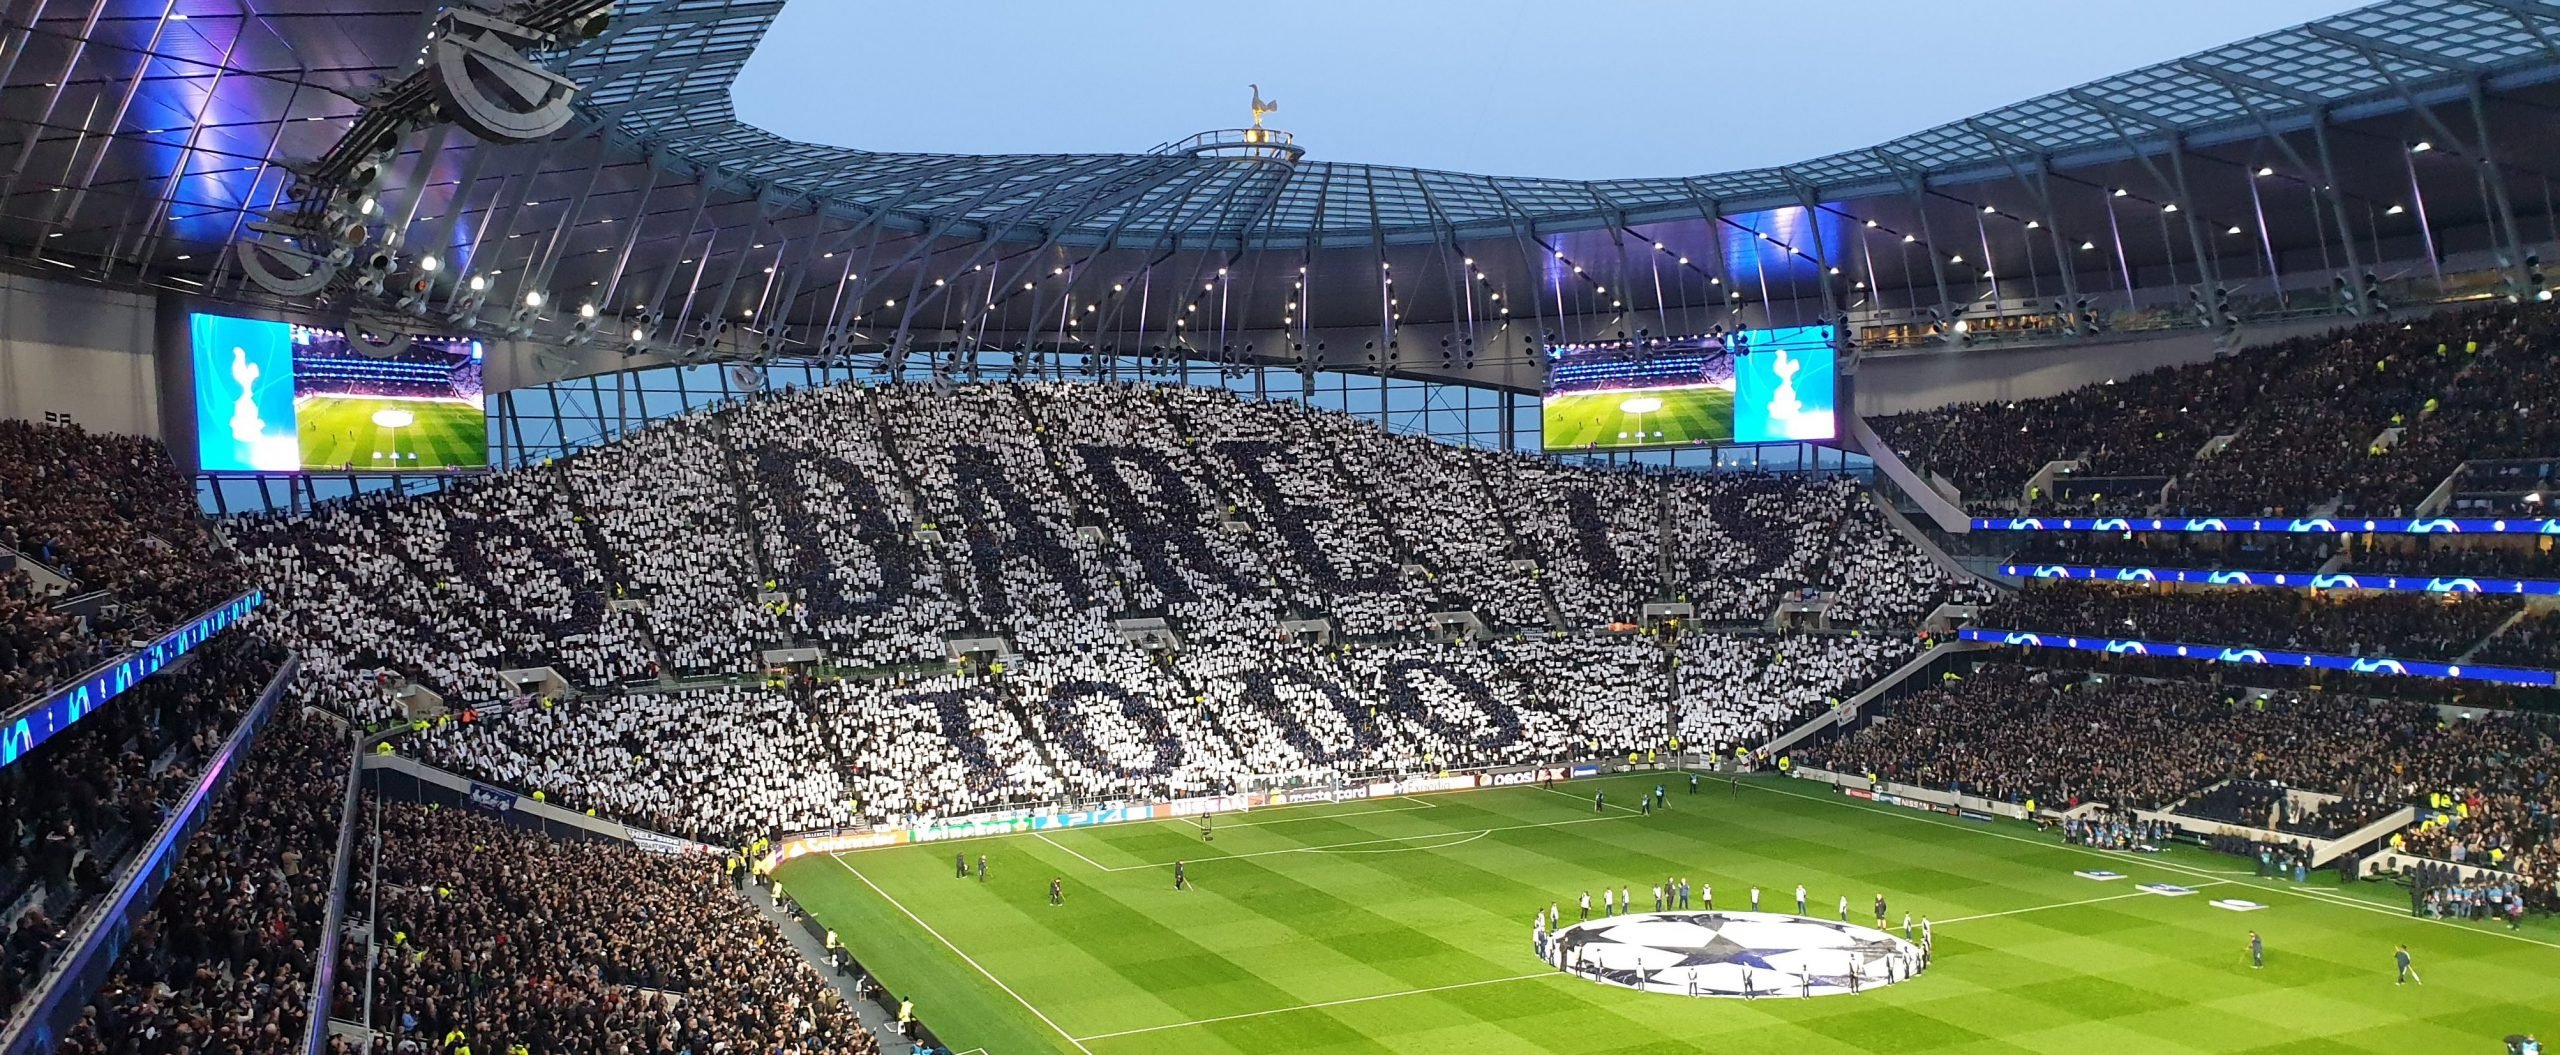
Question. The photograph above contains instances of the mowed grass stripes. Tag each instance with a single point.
(1402, 925)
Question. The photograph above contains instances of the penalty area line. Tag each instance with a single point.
(955, 951)
(1314, 1006)
(1044, 837)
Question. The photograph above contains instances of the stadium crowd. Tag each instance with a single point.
(108, 513)
(2427, 555)
(2398, 625)
(1109, 721)
(874, 521)
(2367, 419)
(2017, 734)
(500, 939)
(86, 799)
(224, 960)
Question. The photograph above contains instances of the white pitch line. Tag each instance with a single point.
(955, 951)
(1403, 849)
(2339, 900)
(1316, 817)
(1426, 803)
(1363, 842)
(1313, 1006)
(1044, 837)
(2065, 904)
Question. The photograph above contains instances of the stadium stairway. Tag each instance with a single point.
(2501, 630)
(1049, 456)
(1006, 694)
(897, 464)
(1512, 544)
(1847, 712)
(1945, 511)
(612, 559)
(1368, 496)
(1210, 714)
(1666, 526)
(737, 466)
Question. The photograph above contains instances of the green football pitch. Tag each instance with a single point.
(1575, 420)
(407, 434)
(1402, 925)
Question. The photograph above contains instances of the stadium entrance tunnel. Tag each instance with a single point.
(1732, 954)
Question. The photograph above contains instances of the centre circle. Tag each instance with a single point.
(1733, 954)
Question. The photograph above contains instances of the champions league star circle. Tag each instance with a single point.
(1732, 954)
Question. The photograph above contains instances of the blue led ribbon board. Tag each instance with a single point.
(2279, 525)
(34, 723)
(2263, 657)
(2288, 579)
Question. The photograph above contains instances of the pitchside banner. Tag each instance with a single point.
(2263, 657)
(1013, 823)
(2303, 526)
(2288, 579)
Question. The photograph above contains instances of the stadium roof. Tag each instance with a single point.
(662, 75)
(147, 138)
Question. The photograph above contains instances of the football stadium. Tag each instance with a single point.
(582, 527)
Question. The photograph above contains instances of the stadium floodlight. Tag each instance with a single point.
(2035, 225)
(2086, 246)
(429, 263)
(1910, 238)
(2171, 207)
(586, 311)
(2266, 170)
(2121, 192)
(2421, 147)
(638, 335)
(478, 283)
(1990, 210)
(1955, 258)
(2235, 229)
(2395, 210)
(1684, 260)
(533, 298)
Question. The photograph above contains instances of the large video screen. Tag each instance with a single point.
(1752, 386)
(277, 397)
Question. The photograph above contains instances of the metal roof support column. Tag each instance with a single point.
(719, 308)
(2041, 188)
(2498, 192)
(2176, 180)
(61, 84)
(634, 219)
(2266, 240)
(2338, 208)
(1821, 257)
(2207, 268)
(1918, 184)
(2426, 229)
(2326, 186)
